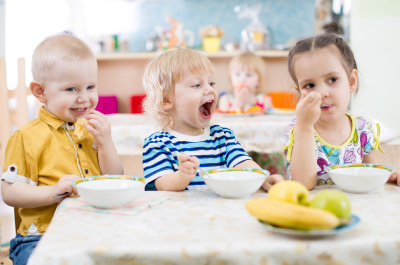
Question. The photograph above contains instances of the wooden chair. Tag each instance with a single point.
(391, 157)
(12, 117)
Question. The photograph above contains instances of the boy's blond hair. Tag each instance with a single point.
(55, 48)
(163, 72)
(249, 61)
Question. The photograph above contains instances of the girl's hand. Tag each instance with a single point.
(308, 110)
(395, 178)
(188, 166)
(99, 126)
(271, 180)
(64, 185)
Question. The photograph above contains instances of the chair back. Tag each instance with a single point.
(13, 104)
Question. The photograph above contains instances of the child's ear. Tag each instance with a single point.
(37, 90)
(167, 104)
(353, 80)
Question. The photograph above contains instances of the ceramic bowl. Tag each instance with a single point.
(109, 191)
(359, 178)
(235, 182)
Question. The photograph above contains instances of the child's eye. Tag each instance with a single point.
(212, 84)
(249, 75)
(71, 89)
(91, 87)
(309, 86)
(196, 85)
(332, 80)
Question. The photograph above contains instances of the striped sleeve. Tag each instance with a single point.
(157, 159)
(235, 154)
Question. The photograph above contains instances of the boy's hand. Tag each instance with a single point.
(99, 126)
(188, 166)
(64, 185)
(271, 180)
(308, 109)
(395, 178)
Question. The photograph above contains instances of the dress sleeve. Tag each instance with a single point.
(156, 161)
(20, 164)
(369, 138)
(289, 140)
(374, 136)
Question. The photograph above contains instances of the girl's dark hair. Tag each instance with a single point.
(322, 41)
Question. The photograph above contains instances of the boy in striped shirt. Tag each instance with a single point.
(181, 97)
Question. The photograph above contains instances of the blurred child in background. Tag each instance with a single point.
(246, 75)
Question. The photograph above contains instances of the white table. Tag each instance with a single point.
(202, 228)
(259, 133)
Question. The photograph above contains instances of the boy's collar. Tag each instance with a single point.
(50, 119)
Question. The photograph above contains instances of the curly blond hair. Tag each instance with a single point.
(249, 61)
(161, 75)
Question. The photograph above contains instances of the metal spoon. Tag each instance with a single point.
(204, 173)
(61, 195)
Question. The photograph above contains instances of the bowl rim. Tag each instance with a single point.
(104, 177)
(379, 166)
(264, 172)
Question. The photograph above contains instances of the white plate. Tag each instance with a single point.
(246, 114)
(354, 221)
(276, 111)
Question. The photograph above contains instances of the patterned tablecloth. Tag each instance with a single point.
(259, 133)
(202, 228)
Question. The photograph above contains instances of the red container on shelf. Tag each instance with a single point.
(136, 103)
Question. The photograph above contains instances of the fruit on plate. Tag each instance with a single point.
(254, 109)
(289, 191)
(334, 201)
(290, 215)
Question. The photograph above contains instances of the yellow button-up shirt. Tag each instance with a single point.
(40, 153)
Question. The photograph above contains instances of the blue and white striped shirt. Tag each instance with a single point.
(217, 147)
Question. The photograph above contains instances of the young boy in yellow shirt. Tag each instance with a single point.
(44, 156)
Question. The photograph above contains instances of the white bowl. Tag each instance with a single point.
(235, 182)
(359, 178)
(109, 191)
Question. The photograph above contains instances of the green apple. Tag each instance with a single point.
(289, 191)
(333, 201)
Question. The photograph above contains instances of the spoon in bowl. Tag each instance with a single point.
(204, 173)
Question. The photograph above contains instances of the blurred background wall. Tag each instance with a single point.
(375, 40)
(2, 29)
(287, 20)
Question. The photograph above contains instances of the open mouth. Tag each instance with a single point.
(205, 109)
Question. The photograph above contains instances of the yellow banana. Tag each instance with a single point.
(291, 215)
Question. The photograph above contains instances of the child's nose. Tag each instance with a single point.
(83, 97)
(323, 90)
(209, 90)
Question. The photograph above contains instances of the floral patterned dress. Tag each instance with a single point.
(361, 141)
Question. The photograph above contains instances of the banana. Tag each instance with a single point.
(291, 215)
